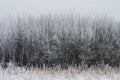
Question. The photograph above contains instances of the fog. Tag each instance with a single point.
(37, 7)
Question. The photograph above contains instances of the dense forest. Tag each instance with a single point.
(64, 40)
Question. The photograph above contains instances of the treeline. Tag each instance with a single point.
(65, 40)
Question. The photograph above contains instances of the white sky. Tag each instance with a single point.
(37, 7)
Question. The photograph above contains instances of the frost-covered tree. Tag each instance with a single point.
(60, 40)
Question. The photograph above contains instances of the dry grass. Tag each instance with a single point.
(69, 74)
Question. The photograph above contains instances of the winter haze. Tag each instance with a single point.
(37, 7)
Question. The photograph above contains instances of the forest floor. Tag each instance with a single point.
(70, 74)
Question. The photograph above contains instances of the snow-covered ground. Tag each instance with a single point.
(72, 74)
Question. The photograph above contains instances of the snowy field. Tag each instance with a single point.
(71, 74)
